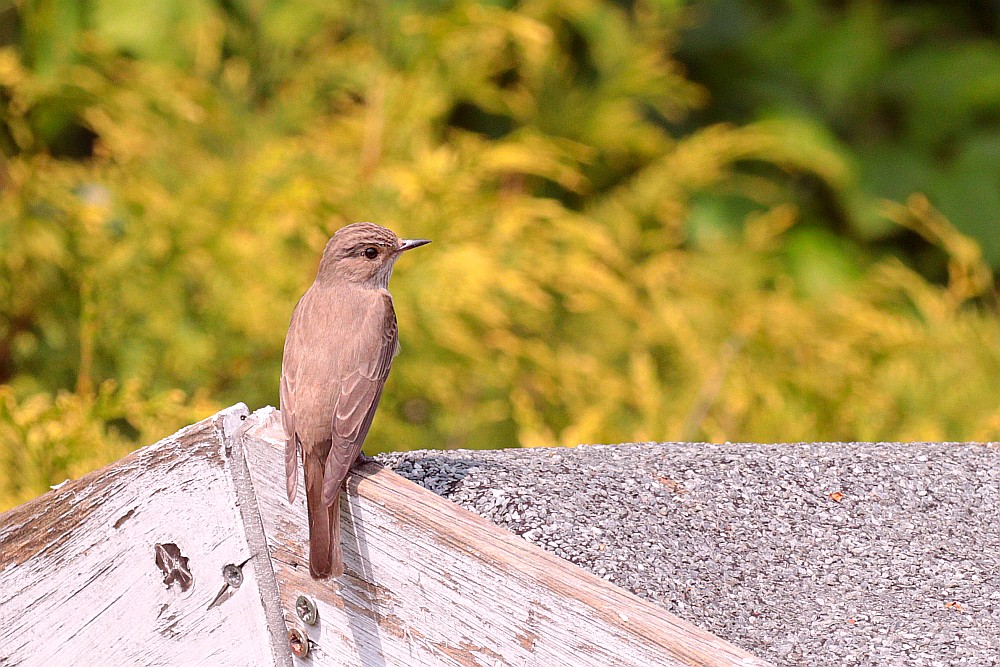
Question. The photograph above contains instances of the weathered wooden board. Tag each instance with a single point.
(128, 565)
(125, 565)
(430, 584)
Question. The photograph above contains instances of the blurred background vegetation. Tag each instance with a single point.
(768, 220)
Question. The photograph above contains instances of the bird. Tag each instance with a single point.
(341, 342)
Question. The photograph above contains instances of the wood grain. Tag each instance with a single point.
(430, 584)
(125, 566)
(84, 570)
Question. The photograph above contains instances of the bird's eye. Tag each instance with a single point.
(371, 252)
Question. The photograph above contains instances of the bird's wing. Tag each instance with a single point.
(286, 394)
(291, 439)
(360, 389)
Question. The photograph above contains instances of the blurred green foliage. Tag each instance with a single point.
(908, 90)
(605, 267)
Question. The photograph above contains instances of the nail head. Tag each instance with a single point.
(306, 610)
(298, 642)
(232, 575)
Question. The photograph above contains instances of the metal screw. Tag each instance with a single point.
(232, 575)
(298, 642)
(306, 609)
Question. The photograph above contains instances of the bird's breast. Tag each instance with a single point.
(333, 334)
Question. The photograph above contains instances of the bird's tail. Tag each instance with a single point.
(325, 557)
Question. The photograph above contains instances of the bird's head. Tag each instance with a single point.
(363, 253)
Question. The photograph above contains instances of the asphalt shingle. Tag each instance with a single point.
(843, 554)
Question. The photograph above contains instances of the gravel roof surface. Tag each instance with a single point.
(805, 554)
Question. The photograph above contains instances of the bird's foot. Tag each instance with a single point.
(363, 459)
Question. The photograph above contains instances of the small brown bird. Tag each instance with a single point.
(340, 345)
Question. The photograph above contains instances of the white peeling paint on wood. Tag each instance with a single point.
(124, 566)
(79, 581)
(431, 584)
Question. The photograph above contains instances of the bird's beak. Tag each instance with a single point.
(410, 244)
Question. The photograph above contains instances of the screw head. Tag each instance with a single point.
(232, 575)
(306, 609)
(298, 642)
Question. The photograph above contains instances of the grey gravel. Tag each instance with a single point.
(754, 543)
